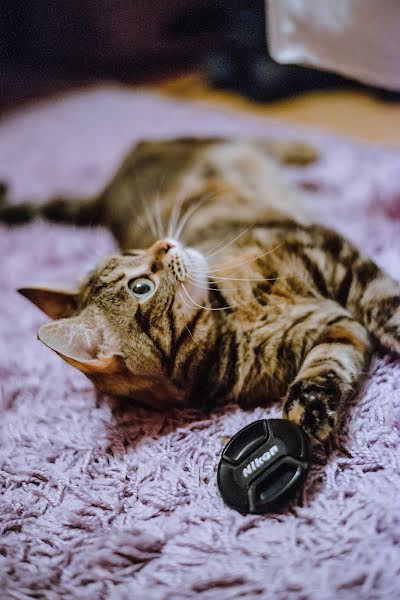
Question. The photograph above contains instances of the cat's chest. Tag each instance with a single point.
(271, 343)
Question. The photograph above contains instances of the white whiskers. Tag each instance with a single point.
(217, 249)
(212, 308)
(174, 215)
(189, 213)
(185, 303)
(230, 264)
(158, 219)
(215, 289)
(150, 220)
(260, 279)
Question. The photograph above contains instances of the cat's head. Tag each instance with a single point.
(123, 327)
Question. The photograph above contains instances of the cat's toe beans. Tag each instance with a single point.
(310, 409)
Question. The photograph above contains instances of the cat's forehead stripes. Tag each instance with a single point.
(122, 264)
(116, 269)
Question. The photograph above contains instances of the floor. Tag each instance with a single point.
(352, 113)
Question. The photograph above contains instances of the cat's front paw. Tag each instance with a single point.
(312, 404)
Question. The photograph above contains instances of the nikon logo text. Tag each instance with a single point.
(259, 461)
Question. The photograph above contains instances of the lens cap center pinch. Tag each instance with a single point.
(263, 465)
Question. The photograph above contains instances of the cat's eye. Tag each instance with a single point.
(142, 287)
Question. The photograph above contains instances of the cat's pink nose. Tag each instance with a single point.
(161, 248)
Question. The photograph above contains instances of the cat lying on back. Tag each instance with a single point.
(224, 289)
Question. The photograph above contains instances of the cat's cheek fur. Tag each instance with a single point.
(194, 290)
(150, 391)
(193, 296)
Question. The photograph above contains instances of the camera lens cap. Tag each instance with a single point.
(263, 465)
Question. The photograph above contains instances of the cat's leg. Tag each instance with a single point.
(329, 373)
(358, 284)
(374, 298)
(343, 273)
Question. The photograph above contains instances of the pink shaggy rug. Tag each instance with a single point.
(102, 500)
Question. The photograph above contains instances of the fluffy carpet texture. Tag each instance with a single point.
(104, 500)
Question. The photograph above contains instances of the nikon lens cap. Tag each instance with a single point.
(263, 465)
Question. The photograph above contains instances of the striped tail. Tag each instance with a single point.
(75, 211)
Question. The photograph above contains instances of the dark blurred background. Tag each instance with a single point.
(47, 45)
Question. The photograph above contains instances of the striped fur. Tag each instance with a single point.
(272, 305)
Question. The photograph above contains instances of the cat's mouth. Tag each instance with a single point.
(190, 269)
(176, 262)
(186, 263)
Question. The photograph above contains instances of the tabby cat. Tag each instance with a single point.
(224, 290)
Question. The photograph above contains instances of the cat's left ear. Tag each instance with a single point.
(56, 303)
(79, 343)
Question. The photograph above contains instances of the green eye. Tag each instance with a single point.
(142, 287)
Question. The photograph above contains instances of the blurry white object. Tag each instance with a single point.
(357, 38)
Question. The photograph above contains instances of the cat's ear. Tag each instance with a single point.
(79, 344)
(56, 303)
